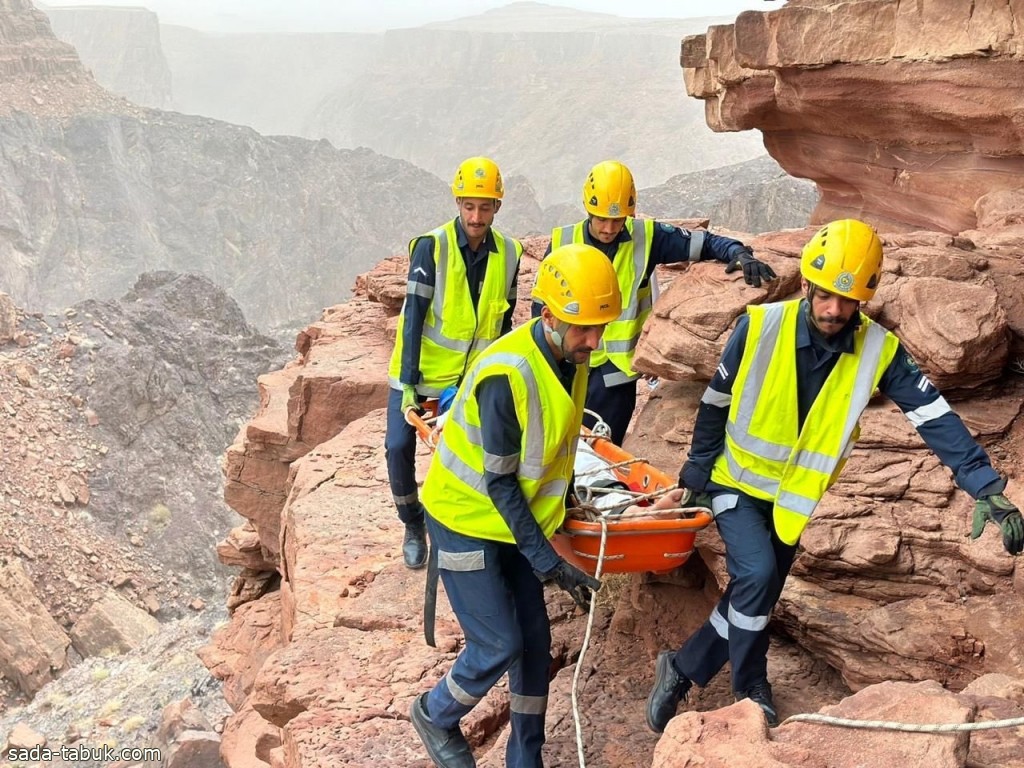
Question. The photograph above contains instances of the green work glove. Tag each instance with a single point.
(695, 499)
(1001, 511)
(409, 399)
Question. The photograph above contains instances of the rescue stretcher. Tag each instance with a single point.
(640, 538)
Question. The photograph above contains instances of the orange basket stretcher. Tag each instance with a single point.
(658, 541)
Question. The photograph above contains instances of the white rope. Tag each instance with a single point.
(889, 725)
(601, 427)
(583, 648)
(608, 465)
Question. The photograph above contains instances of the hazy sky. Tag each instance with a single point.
(370, 15)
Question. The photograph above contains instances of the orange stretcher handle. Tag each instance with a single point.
(424, 423)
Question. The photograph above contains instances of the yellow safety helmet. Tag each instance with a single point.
(845, 258)
(609, 192)
(478, 177)
(578, 284)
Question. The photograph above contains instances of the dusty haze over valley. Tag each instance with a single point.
(548, 91)
(281, 166)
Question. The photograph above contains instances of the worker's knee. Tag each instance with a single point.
(756, 576)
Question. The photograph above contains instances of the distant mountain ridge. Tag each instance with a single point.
(548, 91)
(753, 196)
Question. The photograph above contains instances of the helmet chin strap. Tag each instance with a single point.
(557, 335)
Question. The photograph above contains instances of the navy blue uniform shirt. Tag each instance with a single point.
(423, 270)
(903, 383)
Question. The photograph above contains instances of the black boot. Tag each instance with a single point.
(670, 688)
(447, 748)
(761, 694)
(414, 548)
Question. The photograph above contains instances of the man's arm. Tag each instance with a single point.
(944, 432)
(671, 245)
(419, 292)
(502, 438)
(713, 413)
(940, 428)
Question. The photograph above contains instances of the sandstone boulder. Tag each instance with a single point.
(112, 626)
(33, 647)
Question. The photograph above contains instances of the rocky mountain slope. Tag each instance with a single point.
(149, 388)
(96, 190)
(122, 48)
(113, 418)
(49, 453)
(166, 377)
(754, 196)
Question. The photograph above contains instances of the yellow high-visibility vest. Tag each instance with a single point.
(454, 492)
(631, 259)
(764, 456)
(454, 331)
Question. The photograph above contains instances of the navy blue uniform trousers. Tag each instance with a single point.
(737, 631)
(615, 404)
(400, 456)
(499, 603)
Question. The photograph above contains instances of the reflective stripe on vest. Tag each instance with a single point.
(455, 492)
(455, 332)
(763, 454)
(631, 259)
(696, 244)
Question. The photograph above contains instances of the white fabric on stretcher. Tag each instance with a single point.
(592, 471)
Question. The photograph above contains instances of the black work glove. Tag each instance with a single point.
(754, 271)
(1001, 511)
(574, 581)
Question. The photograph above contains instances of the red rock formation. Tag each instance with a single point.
(905, 114)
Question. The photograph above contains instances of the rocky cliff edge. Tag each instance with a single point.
(903, 113)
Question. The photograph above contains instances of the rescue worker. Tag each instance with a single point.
(636, 247)
(773, 432)
(495, 493)
(460, 297)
